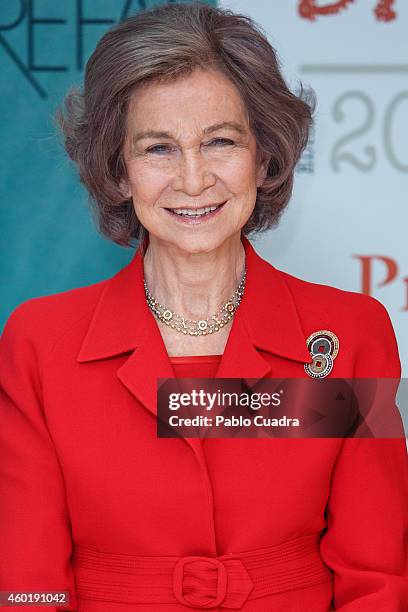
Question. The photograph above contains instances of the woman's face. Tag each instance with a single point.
(189, 147)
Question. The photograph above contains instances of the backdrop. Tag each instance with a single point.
(347, 222)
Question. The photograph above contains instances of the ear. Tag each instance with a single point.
(124, 185)
(262, 169)
(125, 189)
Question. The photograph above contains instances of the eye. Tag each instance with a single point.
(158, 149)
(222, 141)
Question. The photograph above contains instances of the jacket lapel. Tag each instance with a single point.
(267, 319)
(122, 322)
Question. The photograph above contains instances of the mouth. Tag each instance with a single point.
(195, 215)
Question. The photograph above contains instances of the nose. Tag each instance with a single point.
(194, 174)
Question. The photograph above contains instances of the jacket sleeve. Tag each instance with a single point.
(366, 542)
(35, 534)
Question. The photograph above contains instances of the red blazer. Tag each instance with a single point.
(94, 503)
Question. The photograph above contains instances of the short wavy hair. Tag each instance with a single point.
(161, 44)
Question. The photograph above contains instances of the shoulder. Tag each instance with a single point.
(361, 322)
(41, 321)
(315, 301)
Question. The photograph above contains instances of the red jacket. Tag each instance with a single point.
(94, 503)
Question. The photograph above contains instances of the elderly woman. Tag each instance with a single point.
(186, 137)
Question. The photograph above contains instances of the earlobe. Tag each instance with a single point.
(124, 185)
(125, 189)
(263, 171)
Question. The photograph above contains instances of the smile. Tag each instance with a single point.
(194, 215)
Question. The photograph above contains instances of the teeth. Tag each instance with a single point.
(195, 213)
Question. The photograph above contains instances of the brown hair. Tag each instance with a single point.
(160, 44)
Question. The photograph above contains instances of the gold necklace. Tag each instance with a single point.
(201, 327)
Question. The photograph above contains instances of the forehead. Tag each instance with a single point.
(201, 98)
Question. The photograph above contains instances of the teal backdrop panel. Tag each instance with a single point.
(47, 238)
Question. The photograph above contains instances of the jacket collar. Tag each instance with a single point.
(122, 321)
(266, 319)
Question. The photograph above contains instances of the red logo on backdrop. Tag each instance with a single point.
(372, 265)
(308, 9)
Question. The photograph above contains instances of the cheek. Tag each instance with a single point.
(243, 186)
(241, 174)
(146, 184)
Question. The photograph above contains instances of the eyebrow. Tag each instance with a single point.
(232, 125)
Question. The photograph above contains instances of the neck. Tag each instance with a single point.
(193, 285)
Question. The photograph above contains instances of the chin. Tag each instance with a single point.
(198, 244)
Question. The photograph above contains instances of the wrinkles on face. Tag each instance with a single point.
(189, 142)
